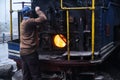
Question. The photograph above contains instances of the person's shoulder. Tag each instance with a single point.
(23, 22)
(30, 20)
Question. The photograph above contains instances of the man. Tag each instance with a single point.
(29, 42)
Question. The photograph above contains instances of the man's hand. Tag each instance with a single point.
(37, 8)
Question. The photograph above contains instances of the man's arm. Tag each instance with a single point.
(41, 15)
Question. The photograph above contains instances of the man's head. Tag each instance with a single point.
(27, 12)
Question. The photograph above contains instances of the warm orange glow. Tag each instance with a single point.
(60, 40)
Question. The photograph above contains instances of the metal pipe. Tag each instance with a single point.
(68, 38)
(73, 8)
(111, 4)
(11, 34)
(19, 21)
(93, 28)
(76, 8)
(3, 37)
(68, 32)
(15, 10)
(61, 4)
(93, 24)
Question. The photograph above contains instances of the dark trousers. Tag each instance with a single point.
(30, 67)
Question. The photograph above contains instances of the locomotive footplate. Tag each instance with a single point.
(56, 62)
(68, 70)
(71, 70)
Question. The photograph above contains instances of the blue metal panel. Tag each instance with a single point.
(13, 46)
(110, 17)
(104, 12)
(110, 21)
(14, 57)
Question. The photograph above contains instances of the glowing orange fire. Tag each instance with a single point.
(60, 40)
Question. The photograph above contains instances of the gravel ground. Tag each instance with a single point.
(17, 75)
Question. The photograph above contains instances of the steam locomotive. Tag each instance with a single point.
(71, 43)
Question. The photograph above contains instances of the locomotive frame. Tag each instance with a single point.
(68, 64)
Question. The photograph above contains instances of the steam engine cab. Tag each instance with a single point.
(77, 35)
